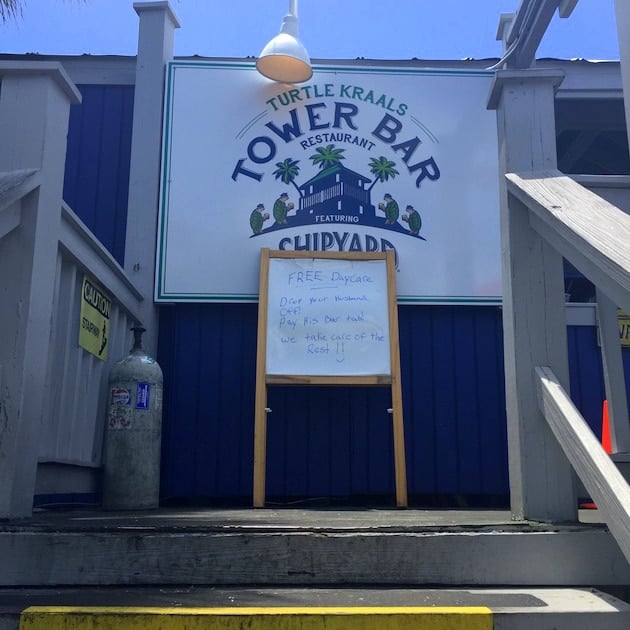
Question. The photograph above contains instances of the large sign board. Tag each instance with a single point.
(359, 159)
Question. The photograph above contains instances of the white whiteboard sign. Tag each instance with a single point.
(327, 317)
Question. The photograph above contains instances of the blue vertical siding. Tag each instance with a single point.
(336, 443)
(96, 184)
(333, 442)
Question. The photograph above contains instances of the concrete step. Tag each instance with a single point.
(195, 608)
(305, 547)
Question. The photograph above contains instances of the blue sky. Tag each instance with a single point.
(330, 29)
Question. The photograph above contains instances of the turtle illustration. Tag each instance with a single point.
(281, 207)
(413, 219)
(257, 218)
(390, 207)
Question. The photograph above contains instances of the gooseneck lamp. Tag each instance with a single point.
(284, 58)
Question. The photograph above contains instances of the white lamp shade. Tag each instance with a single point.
(285, 59)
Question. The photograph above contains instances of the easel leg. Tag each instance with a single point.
(400, 465)
(260, 455)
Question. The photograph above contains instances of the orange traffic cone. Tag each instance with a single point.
(606, 445)
(606, 441)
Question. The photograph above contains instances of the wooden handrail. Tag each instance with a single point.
(598, 473)
(593, 235)
(14, 185)
(590, 232)
(79, 242)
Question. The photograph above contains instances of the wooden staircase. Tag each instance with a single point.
(389, 559)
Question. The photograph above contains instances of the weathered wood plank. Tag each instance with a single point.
(566, 7)
(542, 484)
(16, 184)
(78, 241)
(587, 230)
(561, 557)
(622, 15)
(34, 107)
(599, 474)
(155, 49)
(528, 31)
(13, 186)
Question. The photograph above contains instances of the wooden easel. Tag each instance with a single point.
(391, 378)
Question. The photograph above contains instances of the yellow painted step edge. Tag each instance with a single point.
(267, 618)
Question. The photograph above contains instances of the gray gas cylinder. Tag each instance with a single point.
(133, 435)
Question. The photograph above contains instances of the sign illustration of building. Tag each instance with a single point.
(336, 194)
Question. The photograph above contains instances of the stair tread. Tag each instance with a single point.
(504, 600)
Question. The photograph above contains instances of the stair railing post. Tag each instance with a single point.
(542, 482)
(155, 48)
(35, 102)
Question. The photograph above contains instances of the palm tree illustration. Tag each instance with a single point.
(328, 156)
(10, 9)
(382, 169)
(287, 171)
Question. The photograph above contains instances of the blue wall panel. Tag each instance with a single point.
(336, 443)
(333, 443)
(96, 184)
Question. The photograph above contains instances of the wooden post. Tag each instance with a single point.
(400, 466)
(618, 407)
(155, 48)
(260, 412)
(622, 13)
(542, 482)
(34, 107)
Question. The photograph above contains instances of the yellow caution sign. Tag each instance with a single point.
(94, 326)
(624, 328)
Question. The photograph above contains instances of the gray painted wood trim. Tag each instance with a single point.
(622, 13)
(588, 79)
(143, 555)
(504, 78)
(566, 7)
(614, 378)
(16, 184)
(34, 107)
(82, 245)
(542, 481)
(503, 27)
(13, 187)
(532, 31)
(161, 5)
(587, 230)
(10, 218)
(596, 470)
(602, 181)
(581, 314)
(155, 49)
(53, 69)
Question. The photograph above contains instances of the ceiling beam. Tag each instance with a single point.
(528, 29)
(566, 7)
(522, 32)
